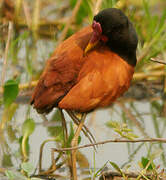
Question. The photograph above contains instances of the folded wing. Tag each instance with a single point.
(73, 81)
(103, 78)
(61, 71)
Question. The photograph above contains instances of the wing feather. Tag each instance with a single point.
(82, 83)
(103, 78)
(61, 71)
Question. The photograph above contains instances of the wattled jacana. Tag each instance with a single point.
(90, 69)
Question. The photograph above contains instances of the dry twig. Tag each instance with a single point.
(36, 16)
(27, 14)
(6, 53)
(97, 7)
(75, 143)
(41, 152)
(64, 32)
(157, 61)
(109, 174)
(152, 140)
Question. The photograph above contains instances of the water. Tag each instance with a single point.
(115, 152)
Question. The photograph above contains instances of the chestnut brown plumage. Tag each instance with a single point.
(90, 69)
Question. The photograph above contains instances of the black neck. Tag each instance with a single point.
(125, 53)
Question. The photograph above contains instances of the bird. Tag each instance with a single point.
(90, 69)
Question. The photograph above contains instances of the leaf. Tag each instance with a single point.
(162, 19)
(1, 101)
(118, 169)
(127, 130)
(115, 166)
(16, 44)
(146, 8)
(127, 137)
(10, 92)
(118, 131)
(6, 161)
(29, 66)
(71, 135)
(27, 167)
(84, 10)
(26, 144)
(60, 138)
(7, 115)
(144, 162)
(100, 170)
(9, 112)
(131, 135)
(108, 3)
(55, 130)
(156, 106)
(12, 175)
(56, 116)
(69, 32)
(11, 133)
(113, 124)
(28, 127)
(79, 139)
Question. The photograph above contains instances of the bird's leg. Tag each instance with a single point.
(85, 130)
(75, 143)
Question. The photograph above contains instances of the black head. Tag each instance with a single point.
(119, 33)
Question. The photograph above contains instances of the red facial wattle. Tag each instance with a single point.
(96, 36)
(97, 27)
(97, 33)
